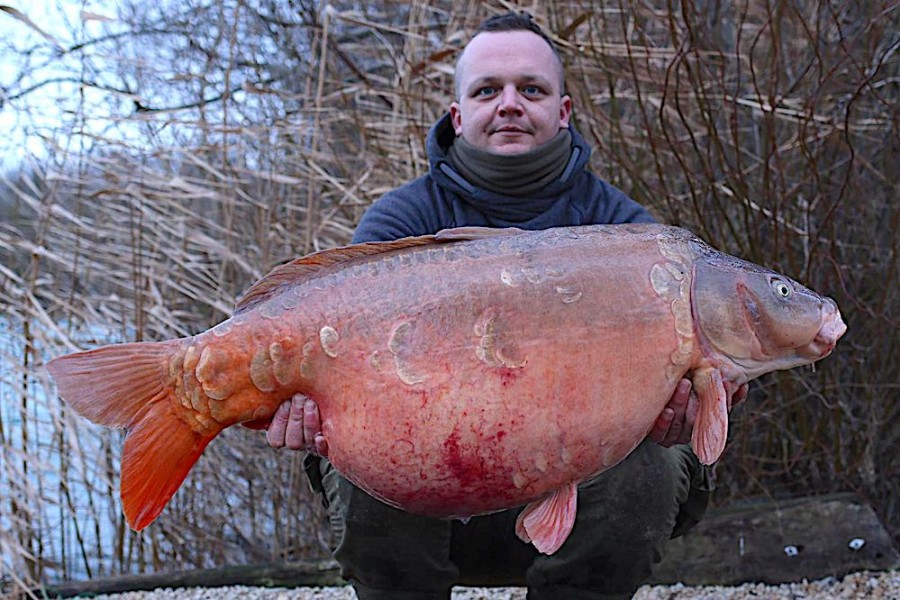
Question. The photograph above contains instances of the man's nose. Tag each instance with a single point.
(510, 101)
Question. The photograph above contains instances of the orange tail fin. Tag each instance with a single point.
(129, 385)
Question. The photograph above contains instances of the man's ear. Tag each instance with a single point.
(456, 117)
(565, 111)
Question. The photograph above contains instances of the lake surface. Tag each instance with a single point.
(57, 482)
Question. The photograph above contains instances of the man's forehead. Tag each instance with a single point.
(500, 50)
(492, 43)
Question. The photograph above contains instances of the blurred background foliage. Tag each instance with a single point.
(162, 156)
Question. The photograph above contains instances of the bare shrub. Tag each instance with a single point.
(768, 128)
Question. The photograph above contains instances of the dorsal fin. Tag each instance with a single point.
(304, 267)
(462, 234)
(301, 268)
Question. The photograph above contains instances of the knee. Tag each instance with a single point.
(641, 497)
(383, 550)
(625, 517)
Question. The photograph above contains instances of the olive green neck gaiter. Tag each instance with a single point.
(512, 174)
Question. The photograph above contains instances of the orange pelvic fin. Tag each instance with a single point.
(547, 523)
(129, 385)
(711, 427)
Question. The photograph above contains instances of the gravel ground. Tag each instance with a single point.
(863, 585)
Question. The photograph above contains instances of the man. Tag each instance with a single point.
(506, 156)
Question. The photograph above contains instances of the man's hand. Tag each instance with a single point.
(676, 422)
(297, 425)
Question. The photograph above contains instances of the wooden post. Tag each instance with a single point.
(775, 541)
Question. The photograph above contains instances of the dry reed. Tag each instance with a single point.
(769, 128)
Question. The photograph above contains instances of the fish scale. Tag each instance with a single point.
(467, 372)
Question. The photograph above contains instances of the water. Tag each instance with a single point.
(243, 503)
(56, 487)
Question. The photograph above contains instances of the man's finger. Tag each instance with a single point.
(321, 446)
(661, 427)
(276, 429)
(680, 403)
(676, 429)
(680, 398)
(293, 437)
(312, 425)
(675, 424)
(675, 434)
(690, 418)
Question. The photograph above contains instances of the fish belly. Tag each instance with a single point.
(464, 379)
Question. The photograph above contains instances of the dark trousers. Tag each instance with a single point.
(625, 517)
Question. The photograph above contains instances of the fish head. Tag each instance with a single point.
(761, 320)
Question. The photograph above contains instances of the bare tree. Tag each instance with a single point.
(203, 143)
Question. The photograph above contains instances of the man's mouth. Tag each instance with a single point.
(509, 129)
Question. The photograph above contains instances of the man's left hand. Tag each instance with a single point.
(676, 422)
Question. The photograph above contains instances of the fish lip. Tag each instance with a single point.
(833, 327)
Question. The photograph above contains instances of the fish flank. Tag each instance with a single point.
(306, 366)
(671, 281)
(213, 375)
(519, 480)
(261, 370)
(570, 293)
(273, 309)
(329, 338)
(176, 361)
(375, 361)
(222, 329)
(398, 345)
(491, 348)
(287, 362)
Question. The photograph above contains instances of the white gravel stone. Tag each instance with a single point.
(856, 586)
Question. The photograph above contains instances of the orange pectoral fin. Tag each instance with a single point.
(547, 523)
(711, 426)
(157, 456)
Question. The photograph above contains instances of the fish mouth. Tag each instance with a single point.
(833, 327)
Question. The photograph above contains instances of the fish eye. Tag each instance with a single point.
(782, 289)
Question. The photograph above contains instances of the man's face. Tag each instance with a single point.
(509, 93)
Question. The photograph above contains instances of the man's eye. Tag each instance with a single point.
(486, 91)
(532, 90)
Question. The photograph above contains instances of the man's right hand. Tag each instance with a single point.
(297, 425)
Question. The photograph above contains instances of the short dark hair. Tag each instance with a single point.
(515, 21)
(512, 21)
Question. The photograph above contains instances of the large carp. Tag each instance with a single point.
(463, 373)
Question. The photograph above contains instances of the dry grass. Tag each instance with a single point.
(769, 128)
